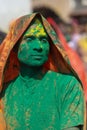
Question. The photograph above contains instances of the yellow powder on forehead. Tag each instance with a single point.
(36, 29)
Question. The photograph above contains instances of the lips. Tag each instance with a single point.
(37, 56)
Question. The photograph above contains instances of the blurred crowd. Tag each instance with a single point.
(76, 36)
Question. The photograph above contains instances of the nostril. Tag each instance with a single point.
(38, 49)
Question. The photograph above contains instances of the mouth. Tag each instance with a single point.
(38, 57)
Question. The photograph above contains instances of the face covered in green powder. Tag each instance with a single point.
(34, 46)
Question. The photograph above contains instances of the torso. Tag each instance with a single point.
(35, 106)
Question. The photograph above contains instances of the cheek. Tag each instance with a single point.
(23, 48)
(46, 49)
(22, 51)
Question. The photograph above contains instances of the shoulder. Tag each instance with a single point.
(66, 78)
(65, 81)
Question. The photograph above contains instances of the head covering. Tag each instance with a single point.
(9, 64)
(73, 56)
(36, 29)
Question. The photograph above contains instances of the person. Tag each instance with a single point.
(2, 36)
(39, 88)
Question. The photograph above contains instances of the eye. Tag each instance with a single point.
(44, 40)
(29, 39)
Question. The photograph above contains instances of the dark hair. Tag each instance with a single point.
(48, 12)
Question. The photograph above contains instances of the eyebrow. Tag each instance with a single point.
(33, 36)
(26, 36)
(43, 36)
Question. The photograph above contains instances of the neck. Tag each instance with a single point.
(30, 72)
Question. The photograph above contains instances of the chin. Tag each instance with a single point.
(37, 64)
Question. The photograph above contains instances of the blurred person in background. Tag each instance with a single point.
(2, 36)
(82, 45)
(39, 88)
(75, 35)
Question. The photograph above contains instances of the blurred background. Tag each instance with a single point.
(67, 17)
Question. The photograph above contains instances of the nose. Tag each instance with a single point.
(38, 46)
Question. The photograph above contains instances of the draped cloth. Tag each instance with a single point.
(74, 58)
(57, 62)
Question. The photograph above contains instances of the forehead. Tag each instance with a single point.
(36, 29)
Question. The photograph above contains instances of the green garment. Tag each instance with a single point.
(44, 105)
